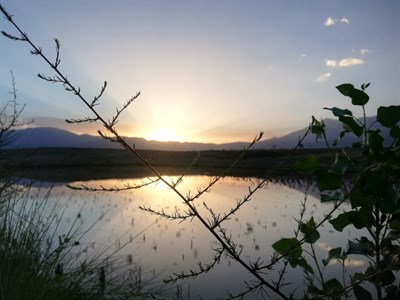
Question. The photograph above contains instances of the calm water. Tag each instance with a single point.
(162, 247)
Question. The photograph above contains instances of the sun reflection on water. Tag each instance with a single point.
(165, 246)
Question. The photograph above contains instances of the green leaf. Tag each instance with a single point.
(394, 223)
(361, 293)
(364, 86)
(313, 290)
(341, 135)
(350, 125)
(387, 277)
(375, 183)
(338, 112)
(388, 116)
(362, 218)
(340, 222)
(389, 203)
(333, 285)
(358, 97)
(334, 253)
(391, 292)
(359, 219)
(361, 246)
(309, 231)
(302, 262)
(306, 165)
(382, 189)
(289, 247)
(359, 277)
(317, 127)
(395, 132)
(359, 198)
(337, 196)
(345, 88)
(375, 140)
(341, 164)
(329, 181)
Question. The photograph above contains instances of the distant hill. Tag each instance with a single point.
(44, 137)
(333, 129)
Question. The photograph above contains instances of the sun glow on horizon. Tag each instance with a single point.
(163, 135)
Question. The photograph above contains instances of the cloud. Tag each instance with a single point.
(330, 62)
(349, 262)
(348, 62)
(331, 21)
(303, 56)
(323, 77)
(364, 51)
(344, 20)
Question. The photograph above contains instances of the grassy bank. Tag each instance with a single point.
(44, 257)
(71, 164)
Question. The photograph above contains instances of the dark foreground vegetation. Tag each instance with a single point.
(73, 164)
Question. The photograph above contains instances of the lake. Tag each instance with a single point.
(161, 247)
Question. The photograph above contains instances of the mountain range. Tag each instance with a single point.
(39, 137)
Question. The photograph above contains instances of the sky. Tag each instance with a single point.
(208, 71)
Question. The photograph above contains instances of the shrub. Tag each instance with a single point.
(370, 185)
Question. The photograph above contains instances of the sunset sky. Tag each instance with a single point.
(208, 71)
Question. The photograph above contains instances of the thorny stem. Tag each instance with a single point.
(346, 296)
(296, 234)
(10, 120)
(314, 256)
(322, 222)
(365, 126)
(378, 249)
(131, 149)
(375, 235)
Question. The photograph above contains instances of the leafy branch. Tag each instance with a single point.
(372, 191)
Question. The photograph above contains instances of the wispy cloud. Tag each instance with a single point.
(330, 62)
(331, 21)
(348, 62)
(364, 51)
(323, 77)
(343, 63)
(303, 56)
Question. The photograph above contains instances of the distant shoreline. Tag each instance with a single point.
(81, 164)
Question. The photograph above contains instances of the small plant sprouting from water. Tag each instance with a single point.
(10, 118)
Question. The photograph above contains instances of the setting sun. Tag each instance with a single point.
(163, 135)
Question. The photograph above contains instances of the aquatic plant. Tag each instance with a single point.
(41, 258)
(10, 119)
